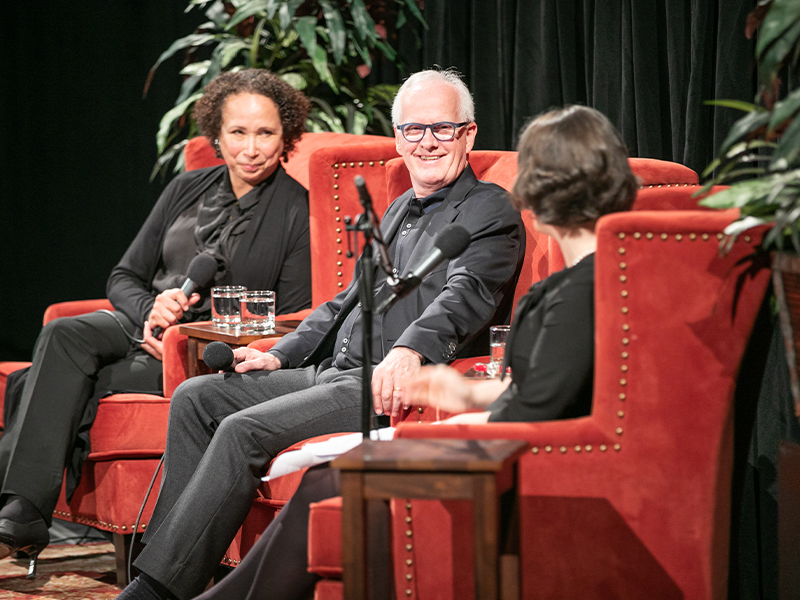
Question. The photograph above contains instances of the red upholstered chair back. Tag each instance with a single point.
(636, 497)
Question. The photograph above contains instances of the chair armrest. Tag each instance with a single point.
(73, 308)
(175, 359)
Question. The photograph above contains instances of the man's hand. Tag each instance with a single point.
(390, 377)
(169, 307)
(152, 345)
(249, 359)
(442, 387)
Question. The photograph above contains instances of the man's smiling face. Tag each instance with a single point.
(433, 164)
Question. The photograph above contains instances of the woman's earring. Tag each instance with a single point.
(217, 151)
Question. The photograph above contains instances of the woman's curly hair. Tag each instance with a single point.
(572, 168)
(292, 105)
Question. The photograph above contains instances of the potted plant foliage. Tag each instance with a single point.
(323, 47)
(760, 158)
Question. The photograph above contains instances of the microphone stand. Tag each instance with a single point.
(365, 224)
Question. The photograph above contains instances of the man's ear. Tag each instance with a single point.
(472, 131)
(398, 138)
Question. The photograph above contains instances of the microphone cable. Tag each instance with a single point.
(111, 314)
(139, 516)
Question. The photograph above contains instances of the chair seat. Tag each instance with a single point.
(113, 436)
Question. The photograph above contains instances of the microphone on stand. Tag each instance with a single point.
(450, 242)
(377, 236)
(199, 275)
(218, 356)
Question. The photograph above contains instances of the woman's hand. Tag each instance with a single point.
(445, 388)
(153, 346)
(169, 307)
(249, 359)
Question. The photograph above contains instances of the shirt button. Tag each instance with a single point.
(405, 232)
(408, 225)
(359, 303)
(345, 340)
(344, 349)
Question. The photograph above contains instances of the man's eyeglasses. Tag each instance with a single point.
(444, 131)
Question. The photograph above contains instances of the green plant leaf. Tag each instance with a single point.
(360, 123)
(362, 20)
(336, 30)
(196, 68)
(772, 59)
(412, 6)
(738, 194)
(779, 19)
(737, 104)
(386, 49)
(252, 8)
(785, 155)
(188, 86)
(170, 117)
(219, 17)
(255, 43)
(320, 62)
(286, 11)
(296, 80)
(784, 110)
(166, 157)
(742, 128)
(307, 30)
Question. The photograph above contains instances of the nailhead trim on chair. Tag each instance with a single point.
(60, 514)
(408, 563)
(625, 355)
(660, 185)
(337, 208)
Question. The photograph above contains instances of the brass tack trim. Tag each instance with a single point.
(336, 176)
(408, 592)
(420, 410)
(338, 263)
(408, 519)
(338, 240)
(621, 235)
(622, 251)
(340, 284)
(408, 505)
(408, 576)
(719, 236)
(623, 266)
(623, 368)
(649, 235)
(338, 273)
(338, 219)
(563, 449)
(338, 230)
(622, 397)
(381, 162)
(618, 430)
(336, 208)
(624, 293)
(335, 165)
(678, 237)
(692, 236)
(409, 533)
(534, 450)
(338, 252)
(617, 447)
(747, 238)
(409, 547)
(124, 528)
(409, 562)
(623, 278)
(624, 310)
(361, 163)
(548, 449)
(625, 327)
(624, 355)
(336, 196)
(603, 447)
(626, 341)
(623, 382)
(637, 235)
(372, 163)
(352, 164)
(620, 413)
(664, 236)
(336, 186)
(704, 236)
(588, 447)
(578, 448)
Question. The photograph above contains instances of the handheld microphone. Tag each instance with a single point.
(199, 275)
(218, 356)
(450, 242)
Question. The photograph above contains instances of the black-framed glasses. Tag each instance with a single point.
(444, 131)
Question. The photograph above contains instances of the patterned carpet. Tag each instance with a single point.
(66, 572)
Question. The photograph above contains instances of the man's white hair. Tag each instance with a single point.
(466, 110)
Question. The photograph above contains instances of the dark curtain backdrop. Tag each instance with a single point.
(77, 139)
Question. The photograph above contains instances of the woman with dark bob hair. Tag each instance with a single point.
(247, 216)
(573, 169)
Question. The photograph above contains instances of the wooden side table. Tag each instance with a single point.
(477, 470)
(201, 334)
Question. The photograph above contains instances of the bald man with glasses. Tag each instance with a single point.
(224, 429)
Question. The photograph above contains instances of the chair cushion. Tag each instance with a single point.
(6, 368)
(325, 538)
(129, 426)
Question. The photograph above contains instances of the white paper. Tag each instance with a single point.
(316, 453)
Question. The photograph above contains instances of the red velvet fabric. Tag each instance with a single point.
(325, 522)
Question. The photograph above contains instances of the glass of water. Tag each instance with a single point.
(498, 334)
(258, 312)
(225, 300)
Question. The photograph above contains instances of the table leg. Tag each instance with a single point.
(354, 540)
(485, 516)
(191, 357)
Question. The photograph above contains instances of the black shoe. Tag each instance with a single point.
(30, 538)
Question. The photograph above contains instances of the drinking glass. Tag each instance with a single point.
(225, 300)
(258, 311)
(497, 348)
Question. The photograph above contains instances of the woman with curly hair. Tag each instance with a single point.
(248, 215)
